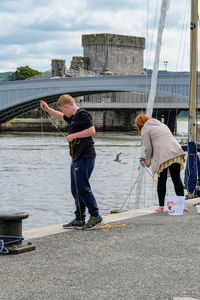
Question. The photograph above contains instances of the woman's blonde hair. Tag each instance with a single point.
(140, 120)
(65, 99)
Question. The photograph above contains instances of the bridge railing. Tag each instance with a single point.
(135, 90)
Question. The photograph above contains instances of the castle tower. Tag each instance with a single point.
(58, 67)
(119, 54)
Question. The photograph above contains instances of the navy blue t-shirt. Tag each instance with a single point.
(84, 147)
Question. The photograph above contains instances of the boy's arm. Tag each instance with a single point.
(56, 114)
(81, 134)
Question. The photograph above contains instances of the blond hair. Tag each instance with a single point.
(65, 99)
(140, 120)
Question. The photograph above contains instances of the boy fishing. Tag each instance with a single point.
(82, 151)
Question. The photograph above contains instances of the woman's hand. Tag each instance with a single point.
(44, 105)
(147, 165)
(143, 161)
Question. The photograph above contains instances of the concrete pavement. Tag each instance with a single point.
(154, 256)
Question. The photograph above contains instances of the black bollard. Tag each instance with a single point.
(11, 232)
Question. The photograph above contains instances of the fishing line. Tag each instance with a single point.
(129, 193)
(149, 172)
(135, 184)
(54, 124)
(154, 180)
(132, 178)
(131, 186)
(43, 158)
(72, 144)
(104, 227)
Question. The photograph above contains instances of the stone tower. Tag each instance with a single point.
(58, 67)
(119, 54)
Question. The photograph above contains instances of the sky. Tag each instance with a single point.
(32, 32)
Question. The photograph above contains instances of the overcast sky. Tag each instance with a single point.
(32, 32)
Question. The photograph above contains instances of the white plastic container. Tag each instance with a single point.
(175, 205)
(198, 209)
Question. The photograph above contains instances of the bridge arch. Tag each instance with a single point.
(19, 97)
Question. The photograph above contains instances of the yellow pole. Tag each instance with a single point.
(193, 71)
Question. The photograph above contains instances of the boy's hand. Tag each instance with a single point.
(44, 105)
(70, 137)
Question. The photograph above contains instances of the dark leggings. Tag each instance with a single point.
(162, 180)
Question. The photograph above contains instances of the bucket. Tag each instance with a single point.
(198, 209)
(175, 205)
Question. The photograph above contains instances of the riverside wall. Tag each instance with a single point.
(103, 120)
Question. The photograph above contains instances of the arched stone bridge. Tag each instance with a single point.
(17, 97)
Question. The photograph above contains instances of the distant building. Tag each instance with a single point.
(58, 68)
(108, 54)
(118, 54)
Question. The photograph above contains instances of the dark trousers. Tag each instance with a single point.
(80, 187)
(162, 180)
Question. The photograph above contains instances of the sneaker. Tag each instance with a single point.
(160, 209)
(92, 222)
(73, 224)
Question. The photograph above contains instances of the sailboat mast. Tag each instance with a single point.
(193, 71)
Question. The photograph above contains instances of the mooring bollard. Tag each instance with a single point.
(11, 232)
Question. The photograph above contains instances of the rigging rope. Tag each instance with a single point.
(185, 23)
(152, 39)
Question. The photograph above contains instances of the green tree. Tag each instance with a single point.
(22, 73)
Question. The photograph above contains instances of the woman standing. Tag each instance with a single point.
(163, 153)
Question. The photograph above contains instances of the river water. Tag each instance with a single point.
(35, 176)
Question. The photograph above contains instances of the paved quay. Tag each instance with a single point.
(151, 256)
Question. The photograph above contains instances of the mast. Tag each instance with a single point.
(152, 94)
(193, 72)
(192, 180)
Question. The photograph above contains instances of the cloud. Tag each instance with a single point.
(35, 31)
(112, 5)
(15, 6)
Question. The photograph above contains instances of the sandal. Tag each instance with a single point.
(160, 209)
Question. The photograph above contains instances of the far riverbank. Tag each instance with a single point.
(38, 125)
